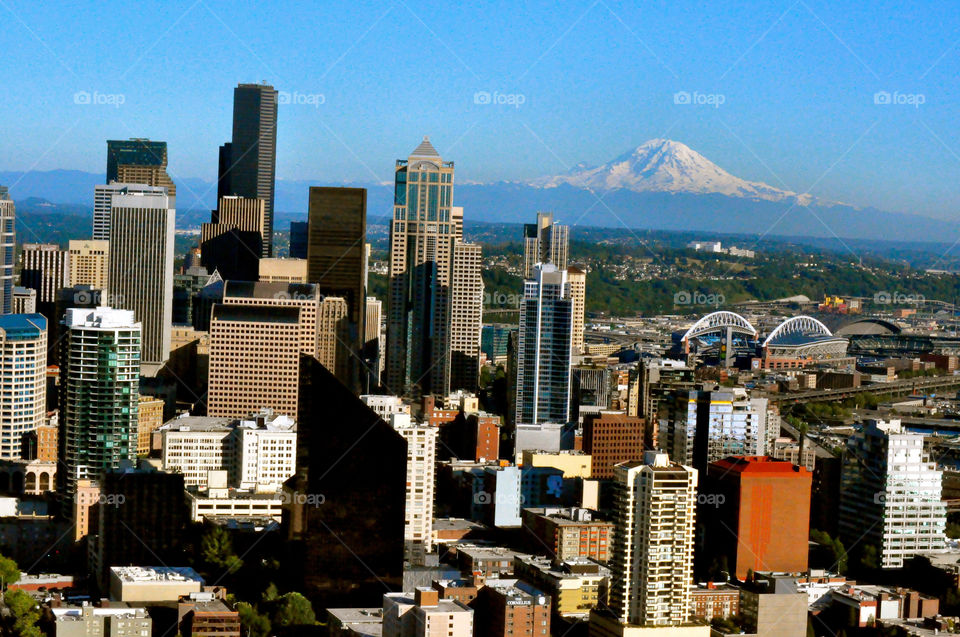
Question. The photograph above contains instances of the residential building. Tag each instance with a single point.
(46, 269)
(23, 380)
(141, 269)
(24, 300)
(109, 621)
(570, 533)
(424, 614)
(86, 496)
(715, 601)
(421, 483)
(89, 262)
(384, 405)
(511, 608)
(149, 419)
(578, 294)
(544, 348)
(575, 586)
(204, 615)
(99, 384)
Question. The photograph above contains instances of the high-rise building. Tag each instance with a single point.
(254, 358)
(424, 229)
(7, 250)
(139, 161)
(544, 348)
(373, 352)
(763, 521)
(337, 262)
(99, 383)
(299, 239)
(466, 316)
(149, 419)
(23, 380)
(252, 166)
(612, 437)
(578, 293)
(421, 484)
(891, 494)
(544, 242)
(103, 203)
(24, 300)
(89, 262)
(46, 269)
(652, 562)
(232, 243)
(141, 269)
(332, 337)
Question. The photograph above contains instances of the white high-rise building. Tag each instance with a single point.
(141, 268)
(652, 552)
(44, 268)
(23, 379)
(890, 494)
(544, 242)
(103, 201)
(421, 482)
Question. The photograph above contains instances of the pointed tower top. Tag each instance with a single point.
(425, 149)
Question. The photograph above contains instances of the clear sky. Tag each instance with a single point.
(797, 81)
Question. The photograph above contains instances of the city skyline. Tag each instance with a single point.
(808, 121)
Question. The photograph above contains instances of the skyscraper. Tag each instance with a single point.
(139, 161)
(421, 484)
(141, 269)
(652, 558)
(578, 292)
(7, 249)
(252, 166)
(23, 380)
(232, 243)
(89, 262)
(466, 316)
(299, 239)
(103, 201)
(337, 263)
(544, 347)
(373, 343)
(544, 242)
(424, 229)
(46, 269)
(99, 382)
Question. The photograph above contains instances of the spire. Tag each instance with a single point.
(425, 149)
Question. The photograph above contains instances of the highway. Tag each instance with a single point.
(907, 386)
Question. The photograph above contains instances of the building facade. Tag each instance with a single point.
(46, 269)
(89, 262)
(23, 380)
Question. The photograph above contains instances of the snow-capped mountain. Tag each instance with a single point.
(664, 165)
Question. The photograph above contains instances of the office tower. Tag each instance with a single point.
(232, 242)
(337, 262)
(544, 242)
(653, 383)
(652, 563)
(578, 293)
(706, 426)
(466, 316)
(149, 419)
(103, 204)
(251, 169)
(139, 161)
(759, 516)
(186, 287)
(373, 352)
(24, 300)
(299, 239)
(276, 270)
(332, 335)
(254, 357)
(890, 493)
(44, 268)
(612, 437)
(303, 297)
(99, 383)
(424, 229)
(421, 485)
(89, 262)
(543, 357)
(590, 387)
(7, 251)
(23, 380)
(346, 551)
(141, 269)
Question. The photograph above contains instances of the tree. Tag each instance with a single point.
(216, 547)
(293, 609)
(9, 571)
(271, 594)
(255, 624)
(25, 611)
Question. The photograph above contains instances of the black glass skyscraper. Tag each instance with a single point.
(251, 171)
(133, 152)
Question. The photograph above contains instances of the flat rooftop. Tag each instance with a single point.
(143, 574)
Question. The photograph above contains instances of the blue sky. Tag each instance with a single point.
(596, 78)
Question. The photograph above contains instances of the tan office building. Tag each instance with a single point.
(578, 294)
(149, 419)
(89, 262)
(466, 316)
(275, 270)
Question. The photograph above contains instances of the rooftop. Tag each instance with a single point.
(140, 574)
(256, 314)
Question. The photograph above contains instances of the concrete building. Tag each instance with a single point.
(890, 493)
(7, 251)
(544, 348)
(715, 601)
(385, 405)
(544, 242)
(421, 483)
(103, 203)
(652, 557)
(768, 613)
(305, 298)
(86, 496)
(89, 262)
(511, 608)
(276, 270)
(23, 380)
(575, 586)
(44, 267)
(424, 614)
(423, 232)
(578, 293)
(205, 615)
(466, 316)
(233, 241)
(333, 330)
(149, 419)
(24, 300)
(99, 384)
(141, 269)
(110, 621)
(373, 343)
(153, 583)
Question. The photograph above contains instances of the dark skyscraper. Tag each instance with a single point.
(337, 257)
(251, 170)
(139, 161)
(7, 248)
(298, 239)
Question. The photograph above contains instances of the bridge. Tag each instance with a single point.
(897, 387)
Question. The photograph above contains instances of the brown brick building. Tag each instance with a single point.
(612, 437)
(570, 533)
(507, 608)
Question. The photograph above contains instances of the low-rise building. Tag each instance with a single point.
(205, 615)
(153, 583)
(510, 607)
(570, 533)
(424, 614)
(575, 586)
(711, 601)
(88, 621)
